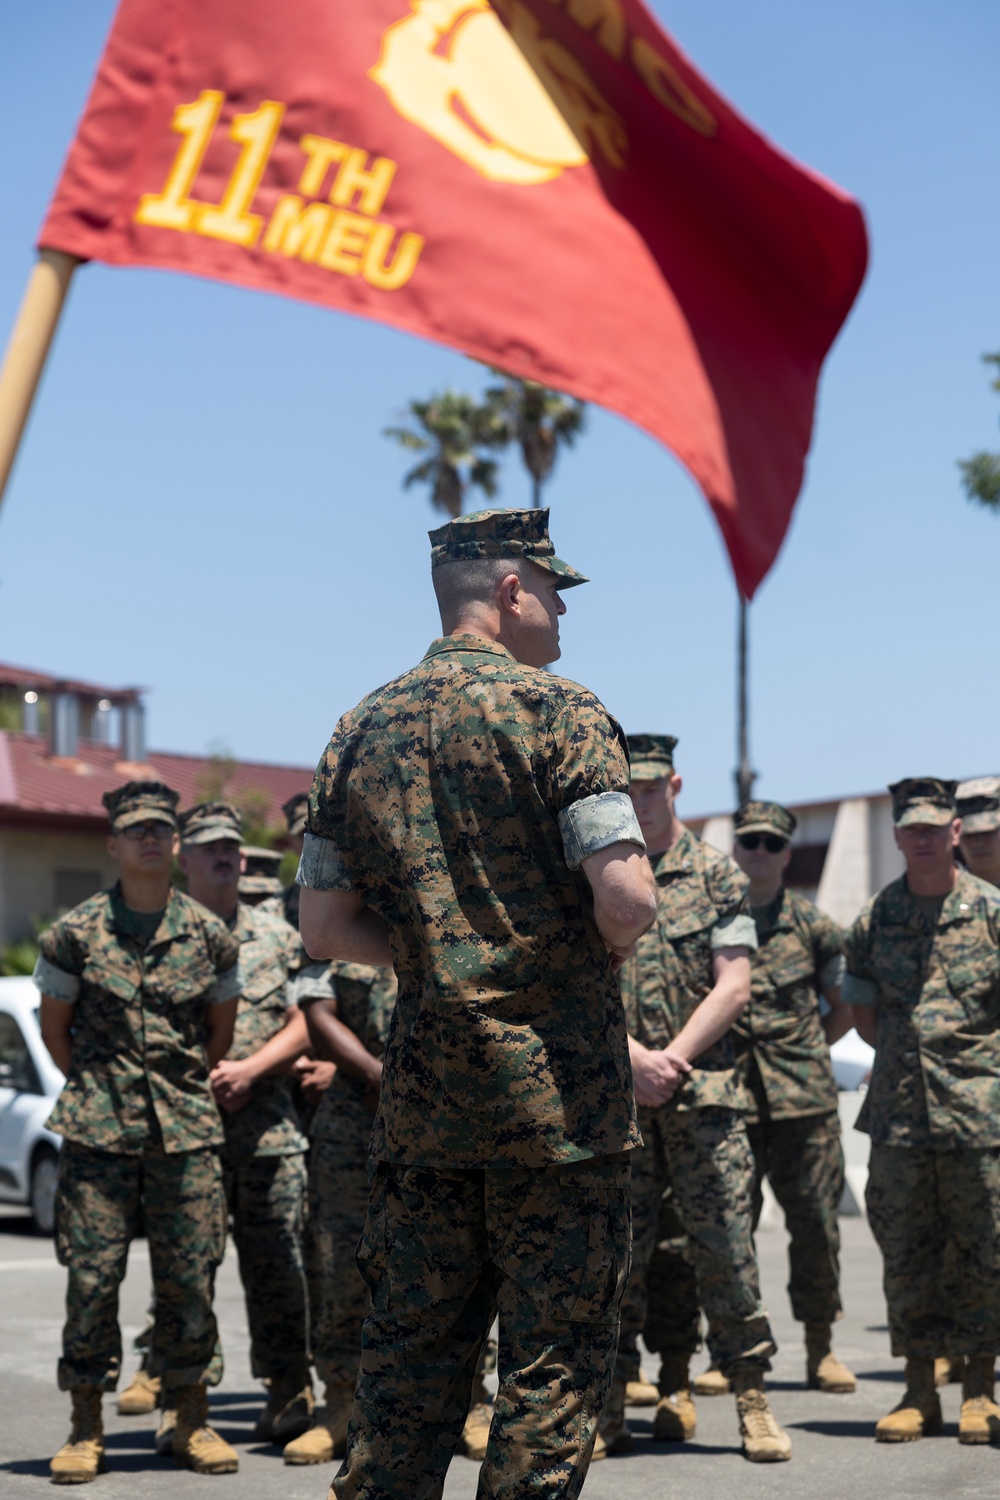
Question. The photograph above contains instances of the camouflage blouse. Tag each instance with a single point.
(139, 1070)
(781, 1048)
(269, 949)
(366, 999)
(936, 990)
(439, 801)
(701, 906)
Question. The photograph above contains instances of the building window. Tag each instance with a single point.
(74, 886)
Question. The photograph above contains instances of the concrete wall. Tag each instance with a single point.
(37, 868)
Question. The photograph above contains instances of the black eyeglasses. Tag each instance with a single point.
(138, 831)
(771, 841)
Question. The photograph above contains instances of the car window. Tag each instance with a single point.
(17, 1071)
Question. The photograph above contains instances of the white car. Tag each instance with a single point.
(852, 1062)
(29, 1085)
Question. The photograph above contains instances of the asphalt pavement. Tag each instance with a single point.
(834, 1454)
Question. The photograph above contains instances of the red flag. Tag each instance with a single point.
(600, 221)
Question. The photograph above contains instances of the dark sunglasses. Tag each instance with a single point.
(771, 841)
(138, 831)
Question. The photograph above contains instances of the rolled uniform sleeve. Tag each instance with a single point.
(228, 985)
(53, 981)
(727, 889)
(588, 787)
(224, 950)
(322, 866)
(736, 931)
(314, 981)
(61, 961)
(597, 822)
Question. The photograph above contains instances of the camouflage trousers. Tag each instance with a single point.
(442, 1251)
(936, 1218)
(704, 1155)
(99, 1203)
(338, 1202)
(266, 1198)
(803, 1160)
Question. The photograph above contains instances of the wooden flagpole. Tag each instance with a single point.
(28, 347)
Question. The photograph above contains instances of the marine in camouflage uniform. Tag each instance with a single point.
(978, 804)
(697, 1142)
(263, 1154)
(145, 994)
(923, 976)
(363, 1000)
(783, 1057)
(457, 823)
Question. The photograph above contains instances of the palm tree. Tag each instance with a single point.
(538, 419)
(451, 430)
(981, 472)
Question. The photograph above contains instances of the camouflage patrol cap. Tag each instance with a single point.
(501, 533)
(211, 821)
(651, 756)
(141, 802)
(295, 811)
(978, 804)
(765, 817)
(260, 872)
(923, 799)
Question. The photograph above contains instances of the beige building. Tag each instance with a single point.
(62, 745)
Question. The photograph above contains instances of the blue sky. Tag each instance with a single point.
(204, 503)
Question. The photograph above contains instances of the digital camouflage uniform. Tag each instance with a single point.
(141, 1128)
(459, 801)
(933, 1111)
(264, 1157)
(697, 1143)
(338, 1175)
(784, 1062)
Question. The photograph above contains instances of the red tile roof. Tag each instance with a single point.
(27, 677)
(34, 786)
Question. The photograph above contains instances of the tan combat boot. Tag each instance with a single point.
(641, 1392)
(81, 1457)
(476, 1432)
(141, 1397)
(676, 1420)
(918, 1413)
(763, 1440)
(613, 1435)
(327, 1437)
(824, 1371)
(711, 1382)
(980, 1418)
(288, 1411)
(196, 1445)
(164, 1440)
(949, 1371)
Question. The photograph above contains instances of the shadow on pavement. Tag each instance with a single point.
(846, 1429)
(37, 1466)
(893, 1375)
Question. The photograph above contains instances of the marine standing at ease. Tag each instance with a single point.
(470, 825)
(923, 976)
(683, 988)
(783, 1041)
(139, 988)
(263, 1154)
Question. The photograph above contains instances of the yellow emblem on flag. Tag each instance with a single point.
(452, 69)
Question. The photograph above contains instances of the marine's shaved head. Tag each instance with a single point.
(461, 585)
